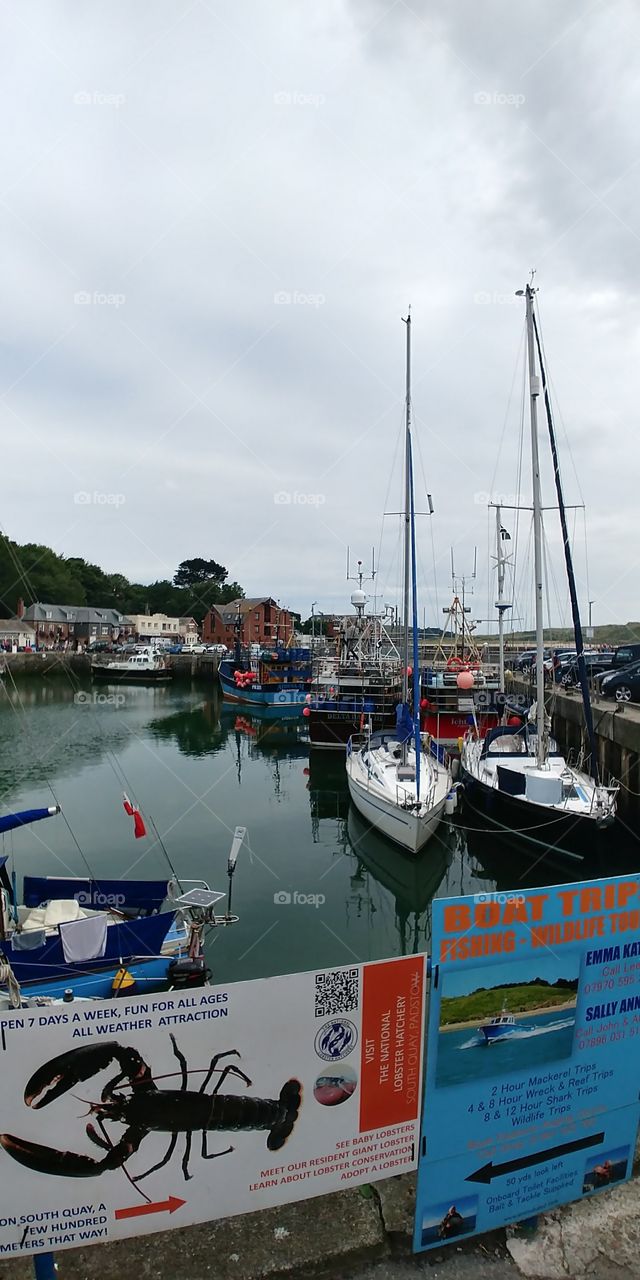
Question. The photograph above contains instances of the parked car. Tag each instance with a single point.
(176, 648)
(623, 685)
(197, 648)
(623, 657)
(526, 660)
(552, 660)
(566, 672)
(98, 646)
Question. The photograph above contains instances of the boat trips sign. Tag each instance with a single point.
(132, 1116)
(533, 1054)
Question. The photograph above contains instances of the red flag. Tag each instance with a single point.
(139, 828)
(128, 807)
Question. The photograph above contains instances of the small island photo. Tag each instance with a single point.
(522, 1010)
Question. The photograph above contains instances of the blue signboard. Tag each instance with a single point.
(533, 1054)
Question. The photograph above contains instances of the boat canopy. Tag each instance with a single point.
(519, 732)
(139, 896)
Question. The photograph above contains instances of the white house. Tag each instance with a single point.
(16, 634)
(159, 626)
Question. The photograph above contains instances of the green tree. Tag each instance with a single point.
(192, 573)
(36, 572)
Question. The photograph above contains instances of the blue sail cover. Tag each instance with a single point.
(125, 895)
(127, 942)
(404, 722)
(13, 820)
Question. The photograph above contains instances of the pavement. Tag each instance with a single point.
(366, 1234)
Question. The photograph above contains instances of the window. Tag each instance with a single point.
(48, 614)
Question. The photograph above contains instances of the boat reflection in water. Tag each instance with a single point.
(391, 890)
(412, 882)
(328, 796)
(507, 862)
(267, 730)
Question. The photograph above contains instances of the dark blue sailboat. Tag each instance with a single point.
(518, 777)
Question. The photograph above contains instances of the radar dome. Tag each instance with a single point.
(358, 599)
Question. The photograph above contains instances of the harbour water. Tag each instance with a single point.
(314, 886)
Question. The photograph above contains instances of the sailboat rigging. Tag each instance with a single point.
(517, 775)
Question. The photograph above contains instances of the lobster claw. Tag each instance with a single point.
(42, 1159)
(60, 1074)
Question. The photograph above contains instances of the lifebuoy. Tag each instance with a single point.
(454, 663)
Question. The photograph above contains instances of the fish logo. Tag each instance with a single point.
(335, 1040)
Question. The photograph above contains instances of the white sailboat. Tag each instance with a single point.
(394, 783)
(517, 775)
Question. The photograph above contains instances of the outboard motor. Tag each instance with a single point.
(188, 972)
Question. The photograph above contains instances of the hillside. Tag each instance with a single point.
(610, 633)
(485, 1003)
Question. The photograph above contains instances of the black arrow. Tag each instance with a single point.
(491, 1170)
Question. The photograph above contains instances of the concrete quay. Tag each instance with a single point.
(617, 731)
(336, 1235)
(367, 1233)
(59, 663)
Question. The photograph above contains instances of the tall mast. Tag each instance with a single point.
(407, 518)
(573, 593)
(500, 559)
(534, 392)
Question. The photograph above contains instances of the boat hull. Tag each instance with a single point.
(492, 1034)
(331, 731)
(411, 832)
(149, 976)
(283, 697)
(108, 675)
(127, 942)
(447, 728)
(571, 836)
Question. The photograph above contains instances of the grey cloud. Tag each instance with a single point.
(272, 191)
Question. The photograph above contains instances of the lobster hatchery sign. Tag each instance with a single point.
(127, 1117)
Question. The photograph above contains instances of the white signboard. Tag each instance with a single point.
(127, 1117)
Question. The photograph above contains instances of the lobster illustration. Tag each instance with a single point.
(146, 1109)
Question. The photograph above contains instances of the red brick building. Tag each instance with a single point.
(262, 621)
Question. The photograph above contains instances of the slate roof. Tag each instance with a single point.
(229, 612)
(63, 613)
(13, 626)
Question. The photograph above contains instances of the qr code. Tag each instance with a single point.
(337, 992)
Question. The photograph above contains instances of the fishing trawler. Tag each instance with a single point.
(458, 684)
(361, 684)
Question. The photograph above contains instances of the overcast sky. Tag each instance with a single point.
(213, 216)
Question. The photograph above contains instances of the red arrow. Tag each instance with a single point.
(161, 1206)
